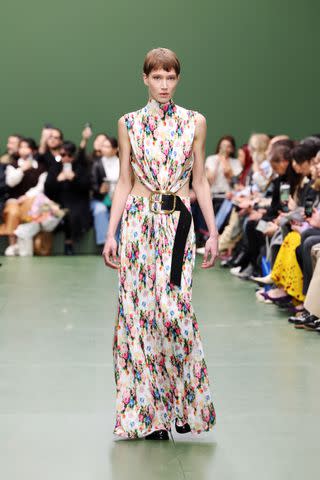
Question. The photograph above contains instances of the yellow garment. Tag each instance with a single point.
(286, 271)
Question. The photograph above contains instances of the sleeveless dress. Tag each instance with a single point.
(160, 371)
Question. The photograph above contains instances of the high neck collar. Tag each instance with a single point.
(162, 109)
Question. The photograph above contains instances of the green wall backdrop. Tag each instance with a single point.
(248, 65)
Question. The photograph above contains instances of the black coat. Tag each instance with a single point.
(73, 194)
(97, 175)
(3, 188)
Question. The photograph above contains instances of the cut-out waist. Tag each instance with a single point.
(139, 189)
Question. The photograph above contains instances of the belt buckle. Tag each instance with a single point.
(161, 192)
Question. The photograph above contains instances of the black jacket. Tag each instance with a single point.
(97, 175)
(73, 194)
(3, 188)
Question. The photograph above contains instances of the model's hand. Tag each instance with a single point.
(110, 253)
(210, 249)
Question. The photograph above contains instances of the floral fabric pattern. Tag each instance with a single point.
(160, 370)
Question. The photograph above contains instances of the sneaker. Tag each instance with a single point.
(12, 250)
(235, 271)
(309, 319)
(299, 317)
(267, 280)
(312, 324)
(246, 273)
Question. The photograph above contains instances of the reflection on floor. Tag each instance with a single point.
(57, 386)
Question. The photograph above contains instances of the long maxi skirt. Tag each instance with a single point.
(159, 366)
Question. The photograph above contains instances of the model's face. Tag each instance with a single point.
(161, 84)
(13, 145)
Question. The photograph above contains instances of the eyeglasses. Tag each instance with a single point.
(63, 154)
(55, 137)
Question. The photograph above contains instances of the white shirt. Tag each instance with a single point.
(112, 170)
(15, 175)
(221, 183)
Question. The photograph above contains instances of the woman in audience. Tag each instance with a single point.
(245, 159)
(222, 170)
(247, 262)
(25, 178)
(68, 184)
(105, 174)
(286, 273)
(258, 146)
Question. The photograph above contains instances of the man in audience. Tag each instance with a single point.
(68, 183)
(12, 150)
(50, 144)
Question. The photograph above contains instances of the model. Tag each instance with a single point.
(160, 371)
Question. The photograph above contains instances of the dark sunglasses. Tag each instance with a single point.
(63, 154)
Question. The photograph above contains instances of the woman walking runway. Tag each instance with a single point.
(160, 371)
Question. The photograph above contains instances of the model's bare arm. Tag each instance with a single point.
(201, 187)
(120, 195)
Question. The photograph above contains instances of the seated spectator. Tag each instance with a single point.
(222, 170)
(105, 174)
(245, 159)
(247, 264)
(286, 272)
(97, 144)
(68, 184)
(11, 154)
(50, 145)
(258, 146)
(25, 178)
(311, 314)
(3, 188)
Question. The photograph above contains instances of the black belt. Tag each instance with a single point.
(169, 203)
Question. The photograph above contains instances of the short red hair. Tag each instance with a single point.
(161, 58)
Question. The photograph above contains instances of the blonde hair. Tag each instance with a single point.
(161, 58)
(258, 144)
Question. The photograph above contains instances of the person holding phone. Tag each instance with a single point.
(68, 183)
(222, 169)
(104, 174)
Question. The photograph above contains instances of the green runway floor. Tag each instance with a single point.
(57, 385)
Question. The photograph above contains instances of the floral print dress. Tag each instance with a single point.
(160, 371)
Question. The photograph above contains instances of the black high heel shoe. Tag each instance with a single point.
(158, 435)
(182, 428)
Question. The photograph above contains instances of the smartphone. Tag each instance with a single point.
(67, 167)
(284, 196)
(48, 125)
(262, 226)
(87, 125)
(308, 208)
